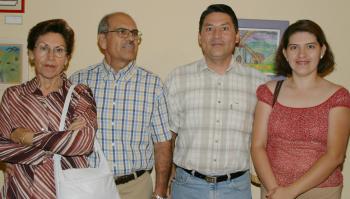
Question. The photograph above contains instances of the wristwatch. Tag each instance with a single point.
(156, 196)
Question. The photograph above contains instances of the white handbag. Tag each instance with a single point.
(83, 183)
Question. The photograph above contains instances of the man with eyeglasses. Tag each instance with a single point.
(133, 121)
(211, 103)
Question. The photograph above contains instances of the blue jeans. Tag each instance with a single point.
(186, 186)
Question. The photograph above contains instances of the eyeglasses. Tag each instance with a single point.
(44, 50)
(125, 33)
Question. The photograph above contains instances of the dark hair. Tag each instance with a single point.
(219, 8)
(326, 64)
(59, 26)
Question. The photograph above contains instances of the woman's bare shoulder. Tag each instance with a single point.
(271, 85)
(331, 87)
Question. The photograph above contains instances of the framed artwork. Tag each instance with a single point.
(15, 6)
(11, 67)
(259, 43)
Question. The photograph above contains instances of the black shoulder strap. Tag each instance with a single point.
(276, 92)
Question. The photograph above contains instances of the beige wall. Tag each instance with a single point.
(170, 30)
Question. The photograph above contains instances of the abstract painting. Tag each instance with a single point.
(10, 63)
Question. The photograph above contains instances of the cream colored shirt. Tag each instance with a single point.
(212, 115)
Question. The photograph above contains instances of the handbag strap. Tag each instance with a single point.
(65, 107)
(56, 157)
(103, 160)
(97, 146)
(277, 91)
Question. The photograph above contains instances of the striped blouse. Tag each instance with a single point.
(29, 172)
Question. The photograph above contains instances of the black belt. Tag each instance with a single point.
(215, 179)
(127, 178)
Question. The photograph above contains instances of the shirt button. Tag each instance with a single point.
(219, 101)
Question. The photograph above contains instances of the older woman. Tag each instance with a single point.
(30, 116)
(299, 142)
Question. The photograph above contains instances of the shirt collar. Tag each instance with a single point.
(32, 86)
(125, 73)
(202, 65)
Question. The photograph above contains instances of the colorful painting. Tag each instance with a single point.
(259, 43)
(10, 63)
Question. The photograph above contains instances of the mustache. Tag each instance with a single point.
(130, 43)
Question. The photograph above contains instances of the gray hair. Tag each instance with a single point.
(103, 25)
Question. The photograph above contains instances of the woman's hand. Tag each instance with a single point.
(77, 124)
(281, 193)
(9, 169)
(22, 136)
(270, 192)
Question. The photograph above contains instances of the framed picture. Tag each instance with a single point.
(11, 67)
(259, 43)
(15, 6)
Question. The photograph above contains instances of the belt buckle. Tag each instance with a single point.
(210, 179)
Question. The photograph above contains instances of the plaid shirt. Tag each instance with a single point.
(132, 114)
(212, 115)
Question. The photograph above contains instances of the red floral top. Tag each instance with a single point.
(297, 137)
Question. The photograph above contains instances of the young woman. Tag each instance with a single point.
(299, 142)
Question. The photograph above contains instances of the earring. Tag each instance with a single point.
(321, 57)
